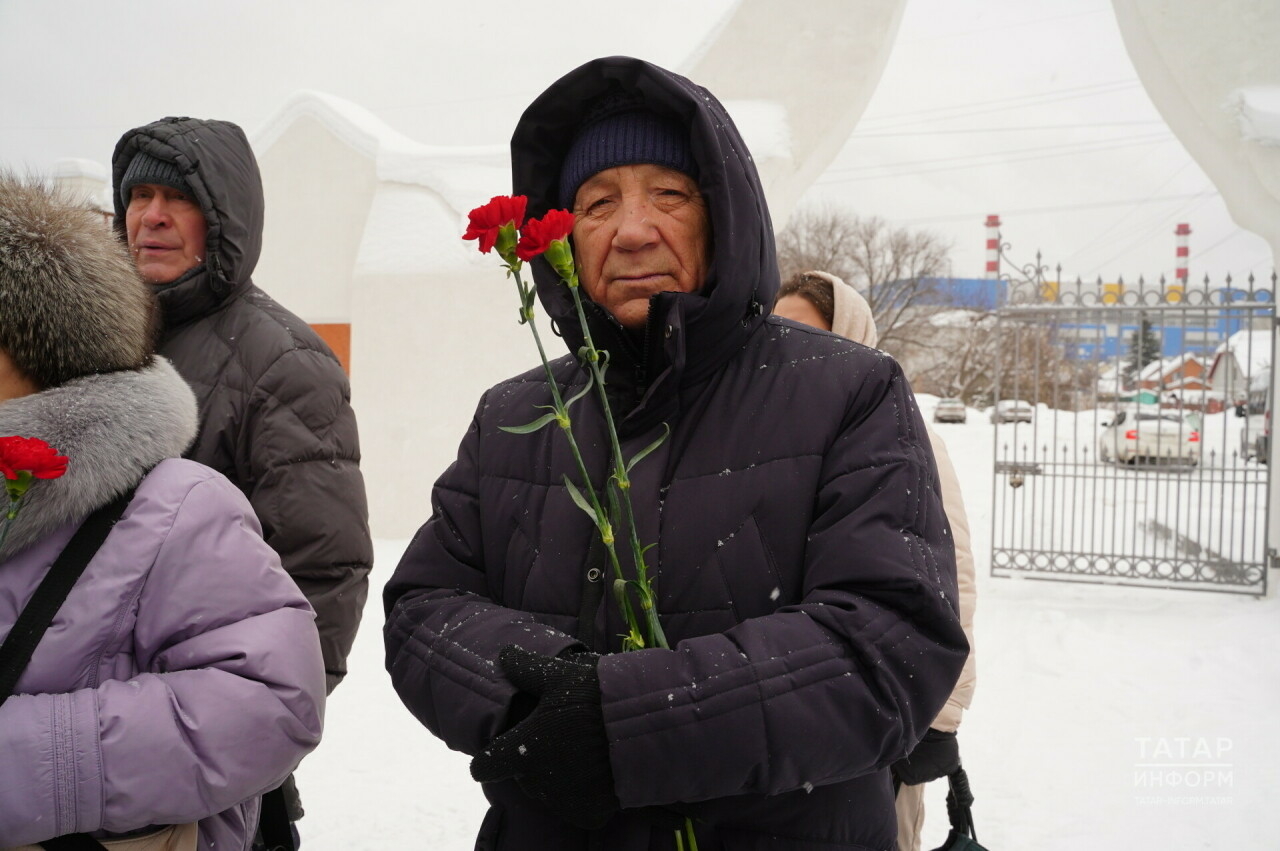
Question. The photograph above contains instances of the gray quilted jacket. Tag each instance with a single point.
(275, 406)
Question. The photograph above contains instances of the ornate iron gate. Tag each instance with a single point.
(1134, 466)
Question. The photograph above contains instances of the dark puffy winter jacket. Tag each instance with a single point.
(275, 405)
(804, 571)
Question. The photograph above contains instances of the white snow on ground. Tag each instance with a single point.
(1105, 718)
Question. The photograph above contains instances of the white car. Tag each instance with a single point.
(1012, 411)
(950, 411)
(1157, 436)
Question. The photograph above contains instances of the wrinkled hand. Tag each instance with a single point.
(560, 753)
(936, 755)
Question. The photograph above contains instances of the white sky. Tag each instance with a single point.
(1025, 108)
(1032, 110)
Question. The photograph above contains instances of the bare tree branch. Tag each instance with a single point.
(894, 268)
(946, 349)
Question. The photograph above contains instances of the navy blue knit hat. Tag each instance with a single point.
(144, 168)
(621, 130)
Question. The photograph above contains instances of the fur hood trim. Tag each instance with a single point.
(113, 427)
(71, 301)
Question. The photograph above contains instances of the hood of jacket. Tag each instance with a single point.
(852, 313)
(113, 428)
(218, 164)
(689, 336)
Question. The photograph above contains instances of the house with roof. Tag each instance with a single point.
(1178, 374)
(1240, 361)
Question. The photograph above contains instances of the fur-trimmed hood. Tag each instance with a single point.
(113, 427)
(71, 299)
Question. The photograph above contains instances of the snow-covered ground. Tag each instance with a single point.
(1105, 718)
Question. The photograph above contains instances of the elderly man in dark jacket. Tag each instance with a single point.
(275, 404)
(804, 570)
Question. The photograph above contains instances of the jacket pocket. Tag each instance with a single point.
(750, 573)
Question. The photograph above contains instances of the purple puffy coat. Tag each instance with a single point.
(182, 677)
(804, 569)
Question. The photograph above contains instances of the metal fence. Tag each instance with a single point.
(1144, 456)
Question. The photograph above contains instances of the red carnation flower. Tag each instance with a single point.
(538, 234)
(30, 455)
(485, 221)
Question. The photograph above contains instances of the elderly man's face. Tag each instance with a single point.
(641, 230)
(166, 232)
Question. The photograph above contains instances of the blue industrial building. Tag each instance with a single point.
(1190, 331)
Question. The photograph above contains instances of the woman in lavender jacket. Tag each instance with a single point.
(182, 676)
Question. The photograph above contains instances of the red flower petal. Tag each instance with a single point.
(538, 234)
(484, 221)
(31, 455)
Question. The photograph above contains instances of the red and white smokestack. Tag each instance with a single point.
(1184, 252)
(993, 246)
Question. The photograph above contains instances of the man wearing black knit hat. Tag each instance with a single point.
(275, 412)
(803, 568)
(628, 160)
(163, 222)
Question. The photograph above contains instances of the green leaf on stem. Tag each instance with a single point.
(580, 500)
(591, 381)
(529, 428)
(639, 456)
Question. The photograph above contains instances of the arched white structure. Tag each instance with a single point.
(1213, 71)
(363, 227)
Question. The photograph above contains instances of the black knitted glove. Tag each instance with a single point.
(559, 754)
(936, 755)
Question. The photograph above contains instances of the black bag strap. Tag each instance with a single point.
(273, 823)
(31, 624)
(72, 842)
(35, 618)
(960, 804)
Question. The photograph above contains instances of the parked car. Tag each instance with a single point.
(950, 411)
(1012, 411)
(1153, 436)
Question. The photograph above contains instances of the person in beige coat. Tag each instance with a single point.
(824, 301)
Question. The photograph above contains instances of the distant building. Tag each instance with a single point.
(1239, 361)
(984, 294)
(1191, 332)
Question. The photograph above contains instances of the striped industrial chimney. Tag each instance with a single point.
(993, 246)
(1183, 231)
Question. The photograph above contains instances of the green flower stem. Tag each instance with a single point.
(15, 505)
(562, 412)
(621, 479)
(619, 495)
(622, 483)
